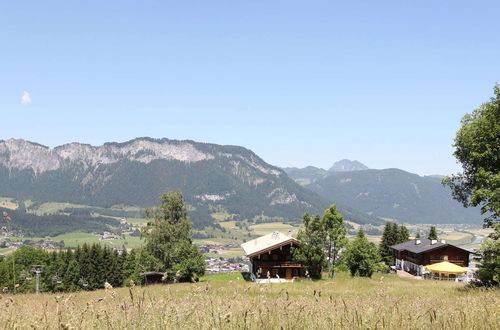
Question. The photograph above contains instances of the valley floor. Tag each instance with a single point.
(226, 301)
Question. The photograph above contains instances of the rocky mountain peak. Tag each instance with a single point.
(346, 165)
(21, 154)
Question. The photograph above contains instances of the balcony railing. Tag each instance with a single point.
(433, 261)
(277, 263)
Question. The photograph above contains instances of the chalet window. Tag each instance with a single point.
(275, 257)
(265, 256)
(295, 272)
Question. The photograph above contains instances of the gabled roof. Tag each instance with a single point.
(267, 242)
(424, 246)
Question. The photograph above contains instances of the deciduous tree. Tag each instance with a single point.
(361, 256)
(336, 240)
(168, 239)
(477, 148)
(311, 251)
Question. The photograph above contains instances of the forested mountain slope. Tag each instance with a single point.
(395, 194)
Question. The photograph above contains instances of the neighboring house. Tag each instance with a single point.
(271, 256)
(413, 255)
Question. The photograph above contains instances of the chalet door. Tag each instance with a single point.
(288, 274)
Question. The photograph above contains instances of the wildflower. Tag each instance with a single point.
(107, 286)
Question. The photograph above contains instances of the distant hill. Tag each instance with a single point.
(213, 178)
(395, 194)
(346, 165)
(309, 174)
(305, 175)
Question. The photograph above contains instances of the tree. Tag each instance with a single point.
(336, 240)
(477, 148)
(311, 250)
(404, 234)
(168, 240)
(432, 233)
(418, 235)
(72, 276)
(390, 237)
(489, 269)
(361, 256)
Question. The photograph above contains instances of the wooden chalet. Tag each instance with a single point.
(412, 256)
(271, 256)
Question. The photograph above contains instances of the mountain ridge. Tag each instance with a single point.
(395, 194)
(212, 177)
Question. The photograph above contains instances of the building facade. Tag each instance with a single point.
(270, 256)
(412, 256)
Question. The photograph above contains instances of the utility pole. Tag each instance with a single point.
(37, 270)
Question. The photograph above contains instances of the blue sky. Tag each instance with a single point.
(298, 82)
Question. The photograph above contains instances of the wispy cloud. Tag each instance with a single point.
(26, 98)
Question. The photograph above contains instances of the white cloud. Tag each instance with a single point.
(26, 98)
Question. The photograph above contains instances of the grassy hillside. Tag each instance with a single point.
(227, 302)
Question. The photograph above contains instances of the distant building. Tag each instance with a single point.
(271, 256)
(108, 236)
(413, 255)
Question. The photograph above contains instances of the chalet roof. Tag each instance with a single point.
(266, 242)
(424, 246)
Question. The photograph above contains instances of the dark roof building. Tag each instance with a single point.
(413, 255)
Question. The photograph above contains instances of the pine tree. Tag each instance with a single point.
(130, 271)
(404, 234)
(386, 243)
(96, 274)
(432, 233)
(72, 277)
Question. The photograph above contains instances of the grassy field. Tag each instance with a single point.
(228, 302)
(266, 228)
(53, 207)
(72, 240)
(8, 203)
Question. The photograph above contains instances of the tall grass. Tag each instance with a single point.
(227, 302)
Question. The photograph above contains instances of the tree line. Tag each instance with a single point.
(168, 249)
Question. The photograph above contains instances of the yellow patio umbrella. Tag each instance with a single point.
(446, 267)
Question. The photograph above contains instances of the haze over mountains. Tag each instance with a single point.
(219, 179)
(387, 194)
(310, 173)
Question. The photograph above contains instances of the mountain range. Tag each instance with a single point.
(213, 178)
(219, 179)
(388, 194)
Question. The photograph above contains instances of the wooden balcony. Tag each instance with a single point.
(277, 264)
